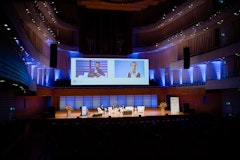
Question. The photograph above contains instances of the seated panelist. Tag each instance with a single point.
(102, 107)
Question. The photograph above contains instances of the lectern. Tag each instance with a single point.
(83, 110)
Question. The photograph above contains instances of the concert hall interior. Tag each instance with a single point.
(167, 86)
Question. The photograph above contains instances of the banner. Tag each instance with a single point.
(174, 103)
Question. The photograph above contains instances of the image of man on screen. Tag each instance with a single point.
(133, 73)
(96, 71)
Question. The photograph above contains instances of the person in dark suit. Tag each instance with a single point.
(133, 73)
(96, 71)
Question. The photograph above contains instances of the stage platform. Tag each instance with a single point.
(94, 114)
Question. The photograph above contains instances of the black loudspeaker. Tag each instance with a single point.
(186, 108)
(53, 55)
(186, 58)
(51, 112)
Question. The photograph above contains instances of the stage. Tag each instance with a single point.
(148, 112)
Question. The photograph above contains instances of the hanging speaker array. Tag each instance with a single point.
(186, 58)
(53, 55)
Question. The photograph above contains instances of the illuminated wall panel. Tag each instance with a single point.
(130, 100)
(88, 101)
(217, 69)
(147, 100)
(47, 76)
(70, 101)
(154, 101)
(92, 102)
(113, 100)
(224, 70)
(210, 72)
(176, 77)
(105, 101)
(78, 102)
(62, 102)
(162, 77)
(152, 74)
(186, 76)
(197, 78)
(122, 99)
(138, 100)
(57, 74)
(96, 101)
(202, 69)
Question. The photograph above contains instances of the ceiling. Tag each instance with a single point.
(141, 12)
(119, 5)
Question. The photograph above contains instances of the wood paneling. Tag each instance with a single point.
(105, 91)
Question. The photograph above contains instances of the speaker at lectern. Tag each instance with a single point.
(83, 111)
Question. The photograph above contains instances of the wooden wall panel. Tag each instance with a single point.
(198, 98)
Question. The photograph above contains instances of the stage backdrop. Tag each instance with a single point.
(92, 102)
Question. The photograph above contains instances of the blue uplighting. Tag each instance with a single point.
(74, 54)
(180, 76)
(190, 72)
(152, 74)
(171, 77)
(154, 50)
(217, 68)
(203, 71)
(57, 74)
(162, 75)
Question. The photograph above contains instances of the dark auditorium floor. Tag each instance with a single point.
(157, 137)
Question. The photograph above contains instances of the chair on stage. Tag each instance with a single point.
(110, 110)
(140, 109)
(99, 110)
